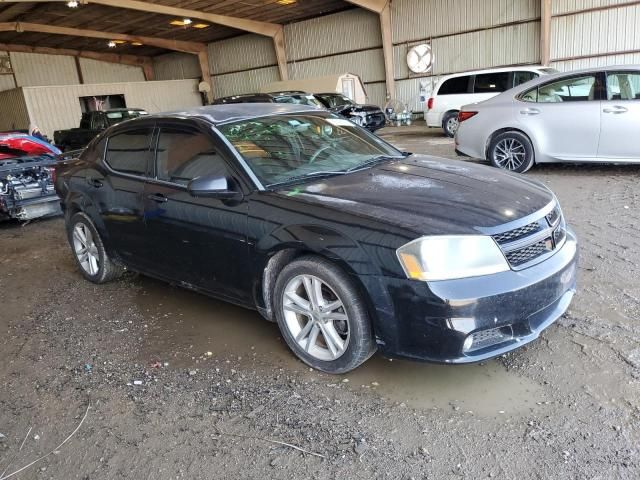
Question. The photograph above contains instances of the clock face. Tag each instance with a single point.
(419, 58)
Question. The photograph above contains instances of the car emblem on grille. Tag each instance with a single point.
(549, 244)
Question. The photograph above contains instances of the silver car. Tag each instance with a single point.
(581, 116)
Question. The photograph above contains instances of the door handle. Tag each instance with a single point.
(530, 111)
(157, 197)
(94, 182)
(615, 109)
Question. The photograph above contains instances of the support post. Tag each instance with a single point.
(147, 70)
(203, 59)
(278, 44)
(545, 32)
(387, 49)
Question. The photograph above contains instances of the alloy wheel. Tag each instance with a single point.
(509, 154)
(85, 249)
(452, 125)
(316, 317)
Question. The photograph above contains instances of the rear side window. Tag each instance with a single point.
(183, 155)
(522, 77)
(130, 151)
(574, 89)
(455, 85)
(623, 86)
(495, 82)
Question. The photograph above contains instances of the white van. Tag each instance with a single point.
(454, 91)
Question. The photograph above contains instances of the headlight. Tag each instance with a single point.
(451, 256)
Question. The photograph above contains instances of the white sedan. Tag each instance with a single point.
(582, 116)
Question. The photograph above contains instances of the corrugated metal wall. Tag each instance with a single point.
(13, 110)
(58, 107)
(601, 33)
(33, 69)
(343, 32)
(241, 53)
(419, 19)
(590, 62)
(559, 7)
(249, 81)
(6, 80)
(176, 66)
(94, 71)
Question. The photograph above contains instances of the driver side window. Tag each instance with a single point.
(182, 155)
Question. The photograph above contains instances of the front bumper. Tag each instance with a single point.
(431, 321)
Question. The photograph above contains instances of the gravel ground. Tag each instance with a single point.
(181, 386)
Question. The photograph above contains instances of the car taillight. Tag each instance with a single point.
(430, 103)
(462, 116)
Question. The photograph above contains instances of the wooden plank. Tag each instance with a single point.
(387, 50)
(278, 44)
(376, 6)
(133, 60)
(253, 26)
(205, 70)
(176, 45)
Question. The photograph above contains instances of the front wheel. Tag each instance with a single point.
(89, 252)
(511, 151)
(322, 316)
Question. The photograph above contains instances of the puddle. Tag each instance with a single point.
(189, 324)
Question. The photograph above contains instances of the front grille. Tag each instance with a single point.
(517, 233)
(530, 252)
(525, 244)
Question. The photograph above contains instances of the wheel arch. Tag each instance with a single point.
(505, 130)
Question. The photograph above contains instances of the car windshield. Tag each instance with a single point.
(120, 116)
(287, 148)
(301, 99)
(336, 100)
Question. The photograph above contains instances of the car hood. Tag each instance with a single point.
(358, 108)
(430, 195)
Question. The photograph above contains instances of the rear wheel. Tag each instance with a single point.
(89, 252)
(450, 123)
(511, 151)
(322, 317)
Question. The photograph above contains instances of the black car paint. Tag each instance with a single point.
(224, 247)
(374, 118)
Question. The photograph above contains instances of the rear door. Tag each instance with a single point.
(620, 115)
(118, 194)
(563, 117)
(197, 241)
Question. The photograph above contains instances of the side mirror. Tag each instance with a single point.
(214, 186)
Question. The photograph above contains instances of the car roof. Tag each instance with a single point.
(514, 68)
(232, 112)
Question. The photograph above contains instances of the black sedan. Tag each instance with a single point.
(349, 244)
(370, 117)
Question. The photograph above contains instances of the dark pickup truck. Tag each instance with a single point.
(91, 124)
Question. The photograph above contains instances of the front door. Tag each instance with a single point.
(196, 241)
(564, 117)
(621, 118)
(118, 195)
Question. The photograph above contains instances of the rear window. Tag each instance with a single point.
(455, 85)
(130, 151)
(495, 82)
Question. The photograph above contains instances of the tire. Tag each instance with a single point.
(450, 124)
(95, 265)
(345, 318)
(511, 151)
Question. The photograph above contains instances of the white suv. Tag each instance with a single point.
(454, 91)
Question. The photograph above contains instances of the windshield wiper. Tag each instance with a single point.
(371, 162)
(322, 173)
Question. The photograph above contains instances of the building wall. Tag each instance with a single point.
(95, 71)
(608, 35)
(13, 110)
(33, 69)
(176, 66)
(6, 80)
(58, 107)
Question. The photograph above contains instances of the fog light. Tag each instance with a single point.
(468, 343)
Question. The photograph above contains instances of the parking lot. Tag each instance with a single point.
(177, 385)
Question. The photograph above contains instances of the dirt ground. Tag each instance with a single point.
(182, 386)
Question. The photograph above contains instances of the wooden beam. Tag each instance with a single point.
(147, 70)
(203, 59)
(176, 45)
(281, 56)
(373, 5)
(261, 28)
(545, 32)
(387, 50)
(136, 61)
